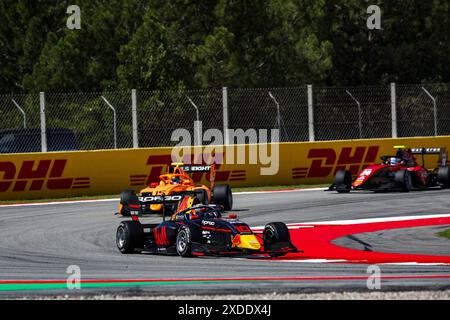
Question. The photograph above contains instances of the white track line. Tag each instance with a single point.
(321, 261)
(344, 261)
(371, 220)
(281, 191)
(357, 221)
(56, 203)
(415, 264)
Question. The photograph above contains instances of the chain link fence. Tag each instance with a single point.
(109, 120)
(98, 120)
(160, 113)
(423, 110)
(19, 113)
(285, 109)
(352, 113)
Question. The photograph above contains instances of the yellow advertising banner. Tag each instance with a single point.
(67, 174)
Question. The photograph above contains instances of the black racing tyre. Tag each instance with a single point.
(444, 176)
(223, 196)
(130, 237)
(404, 179)
(127, 196)
(184, 241)
(275, 232)
(343, 181)
(202, 196)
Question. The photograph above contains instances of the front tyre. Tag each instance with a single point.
(404, 180)
(130, 237)
(202, 196)
(184, 242)
(274, 233)
(343, 181)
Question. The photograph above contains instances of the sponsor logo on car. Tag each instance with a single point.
(362, 176)
(160, 198)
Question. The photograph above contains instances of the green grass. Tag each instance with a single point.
(114, 196)
(445, 234)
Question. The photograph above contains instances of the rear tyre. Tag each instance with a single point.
(275, 232)
(130, 237)
(404, 180)
(184, 242)
(202, 196)
(223, 196)
(343, 181)
(444, 176)
(127, 197)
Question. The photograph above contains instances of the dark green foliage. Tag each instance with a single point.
(187, 44)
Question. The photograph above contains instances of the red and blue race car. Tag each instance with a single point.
(197, 229)
(399, 172)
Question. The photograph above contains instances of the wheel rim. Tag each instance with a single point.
(268, 236)
(120, 239)
(408, 181)
(348, 181)
(181, 241)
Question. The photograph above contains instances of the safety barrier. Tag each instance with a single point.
(67, 174)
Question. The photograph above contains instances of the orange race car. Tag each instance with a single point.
(164, 197)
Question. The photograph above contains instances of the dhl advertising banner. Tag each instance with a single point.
(66, 174)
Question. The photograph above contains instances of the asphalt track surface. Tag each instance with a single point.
(40, 242)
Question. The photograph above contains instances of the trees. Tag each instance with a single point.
(247, 43)
(152, 59)
(413, 45)
(86, 59)
(416, 47)
(23, 32)
(274, 42)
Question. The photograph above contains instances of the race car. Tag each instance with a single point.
(399, 172)
(198, 230)
(163, 197)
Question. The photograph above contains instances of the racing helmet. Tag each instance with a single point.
(212, 213)
(393, 161)
(193, 214)
(175, 180)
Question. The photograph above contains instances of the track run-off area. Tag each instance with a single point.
(340, 236)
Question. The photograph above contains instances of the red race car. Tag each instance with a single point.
(399, 172)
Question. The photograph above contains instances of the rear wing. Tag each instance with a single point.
(191, 169)
(442, 152)
(426, 151)
(197, 168)
(211, 169)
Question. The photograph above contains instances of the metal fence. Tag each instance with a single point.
(136, 119)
